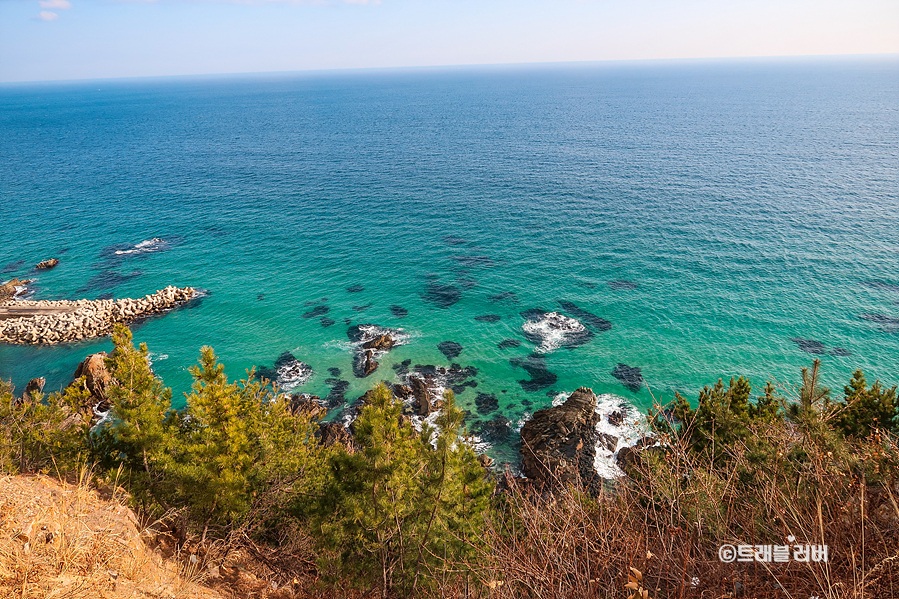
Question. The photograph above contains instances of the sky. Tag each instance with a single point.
(43, 40)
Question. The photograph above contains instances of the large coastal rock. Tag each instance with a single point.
(558, 445)
(34, 387)
(97, 379)
(52, 322)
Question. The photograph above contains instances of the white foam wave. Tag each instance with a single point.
(292, 375)
(627, 424)
(144, 247)
(553, 330)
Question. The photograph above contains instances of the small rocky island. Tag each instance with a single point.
(63, 321)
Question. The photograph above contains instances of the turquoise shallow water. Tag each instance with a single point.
(745, 203)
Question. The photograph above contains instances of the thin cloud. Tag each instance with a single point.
(58, 4)
(46, 15)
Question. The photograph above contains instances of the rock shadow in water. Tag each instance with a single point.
(810, 346)
(107, 279)
(399, 311)
(357, 288)
(12, 266)
(496, 430)
(454, 240)
(486, 403)
(591, 320)
(882, 286)
(362, 308)
(442, 296)
(888, 324)
(622, 284)
(505, 296)
(507, 343)
(535, 366)
(450, 349)
(484, 261)
(629, 376)
(489, 318)
(334, 371)
(317, 311)
(402, 369)
(337, 395)
(326, 322)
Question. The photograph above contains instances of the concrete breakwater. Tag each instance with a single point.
(51, 322)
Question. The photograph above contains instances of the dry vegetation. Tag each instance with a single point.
(64, 540)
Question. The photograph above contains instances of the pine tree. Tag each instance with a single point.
(400, 509)
(137, 435)
(864, 410)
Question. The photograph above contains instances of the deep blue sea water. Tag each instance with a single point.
(711, 211)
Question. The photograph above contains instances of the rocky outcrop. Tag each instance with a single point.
(52, 322)
(47, 264)
(558, 445)
(336, 433)
(34, 387)
(364, 364)
(381, 342)
(305, 404)
(97, 379)
(10, 289)
(422, 396)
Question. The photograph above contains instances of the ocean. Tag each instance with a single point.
(698, 220)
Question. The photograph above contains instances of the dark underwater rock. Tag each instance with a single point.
(260, 296)
(108, 279)
(880, 319)
(12, 266)
(839, 352)
(334, 371)
(496, 430)
(454, 240)
(591, 320)
(441, 295)
(317, 311)
(535, 366)
(326, 322)
(534, 313)
(882, 286)
(622, 284)
(505, 296)
(489, 318)
(558, 444)
(402, 368)
(362, 308)
(486, 403)
(474, 260)
(357, 288)
(314, 302)
(398, 311)
(450, 349)
(337, 395)
(629, 376)
(507, 343)
(809, 346)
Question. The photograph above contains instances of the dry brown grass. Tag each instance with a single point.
(60, 540)
(670, 522)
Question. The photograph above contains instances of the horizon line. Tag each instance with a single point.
(885, 55)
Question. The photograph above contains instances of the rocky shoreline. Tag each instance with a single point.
(52, 322)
